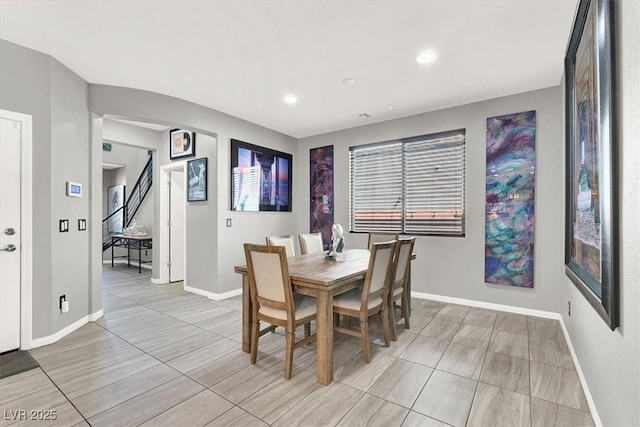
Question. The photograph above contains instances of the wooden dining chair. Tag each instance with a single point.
(273, 300)
(286, 241)
(311, 243)
(380, 237)
(371, 299)
(398, 290)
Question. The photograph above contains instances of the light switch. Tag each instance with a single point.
(82, 224)
(64, 225)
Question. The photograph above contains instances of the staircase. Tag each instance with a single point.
(120, 219)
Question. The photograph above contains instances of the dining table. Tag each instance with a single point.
(314, 275)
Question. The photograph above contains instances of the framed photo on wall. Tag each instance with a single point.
(182, 143)
(591, 241)
(197, 180)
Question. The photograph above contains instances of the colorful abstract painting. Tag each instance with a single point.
(321, 191)
(510, 199)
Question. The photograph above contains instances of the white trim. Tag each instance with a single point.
(583, 380)
(134, 263)
(163, 233)
(487, 305)
(95, 316)
(50, 339)
(26, 225)
(213, 295)
(156, 281)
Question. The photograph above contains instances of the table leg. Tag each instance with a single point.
(112, 243)
(246, 315)
(128, 253)
(324, 304)
(139, 257)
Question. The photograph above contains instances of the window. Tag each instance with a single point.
(412, 186)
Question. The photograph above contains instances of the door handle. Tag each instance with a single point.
(9, 231)
(9, 248)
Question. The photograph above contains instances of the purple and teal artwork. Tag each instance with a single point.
(510, 199)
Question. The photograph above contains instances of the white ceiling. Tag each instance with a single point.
(242, 57)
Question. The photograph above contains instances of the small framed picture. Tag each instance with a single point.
(197, 180)
(182, 143)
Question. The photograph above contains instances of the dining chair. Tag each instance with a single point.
(371, 299)
(398, 289)
(380, 237)
(273, 300)
(286, 241)
(311, 243)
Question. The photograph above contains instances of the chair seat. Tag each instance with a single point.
(352, 299)
(398, 291)
(304, 306)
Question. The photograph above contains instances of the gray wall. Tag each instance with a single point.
(449, 266)
(611, 360)
(216, 274)
(56, 98)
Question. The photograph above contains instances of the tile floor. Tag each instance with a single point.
(163, 357)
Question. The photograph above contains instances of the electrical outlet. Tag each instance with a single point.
(64, 226)
(82, 225)
(228, 222)
(569, 308)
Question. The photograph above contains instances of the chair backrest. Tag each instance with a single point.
(379, 273)
(311, 243)
(286, 241)
(269, 282)
(402, 260)
(380, 237)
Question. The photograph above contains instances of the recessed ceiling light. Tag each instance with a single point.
(290, 99)
(390, 107)
(426, 57)
(349, 81)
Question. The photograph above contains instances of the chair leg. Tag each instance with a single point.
(385, 324)
(255, 327)
(364, 334)
(288, 363)
(307, 330)
(392, 320)
(336, 319)
(405, 310)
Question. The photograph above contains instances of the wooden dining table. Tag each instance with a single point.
(315, 276)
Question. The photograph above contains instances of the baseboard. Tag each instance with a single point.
(156, 281)
(39, 342)
(95, 316)
(134, 263)
(488, 305)
(213, 295)
(583, 380)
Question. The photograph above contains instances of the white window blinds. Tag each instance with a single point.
(412, 186)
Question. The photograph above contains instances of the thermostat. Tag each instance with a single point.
(74, 189)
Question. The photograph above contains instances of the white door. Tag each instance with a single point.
(176, 226)
(10, 142)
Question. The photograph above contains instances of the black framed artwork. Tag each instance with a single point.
(261, 178)
(182, 143)
(197, 180)
(591, 240)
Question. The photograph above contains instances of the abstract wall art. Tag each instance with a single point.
(321, 191)
(510, 199)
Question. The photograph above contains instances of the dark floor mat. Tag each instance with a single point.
(15, 362)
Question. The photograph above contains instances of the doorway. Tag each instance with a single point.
(176, 225)
(15, 226)
(172, 233)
